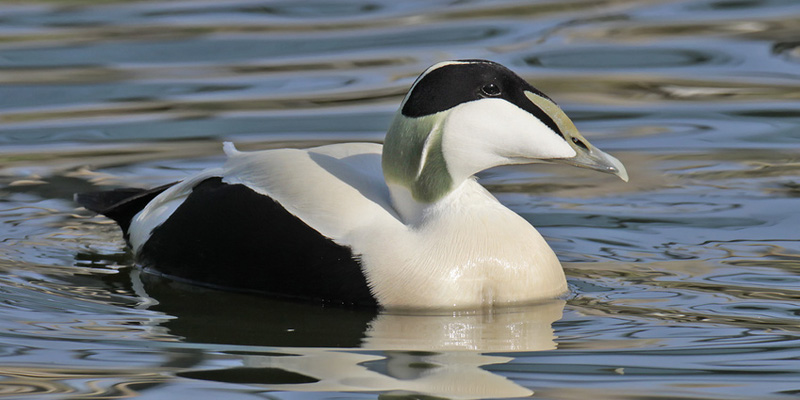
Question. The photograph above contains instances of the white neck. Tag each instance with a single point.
(410, 210)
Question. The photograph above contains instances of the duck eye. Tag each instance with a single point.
(490, 90)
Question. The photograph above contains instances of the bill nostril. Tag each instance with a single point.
(580, 143)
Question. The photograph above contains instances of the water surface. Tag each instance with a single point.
(685, 282)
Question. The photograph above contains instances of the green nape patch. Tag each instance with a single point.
(407, 140)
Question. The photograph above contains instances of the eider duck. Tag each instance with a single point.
(403, 225)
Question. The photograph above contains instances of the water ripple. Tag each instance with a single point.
(684, 281)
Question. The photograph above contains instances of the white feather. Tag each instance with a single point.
(467, 251)
(230, 149)
(335, 189)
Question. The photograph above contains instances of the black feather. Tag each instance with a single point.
(120, 204)
(228, 236)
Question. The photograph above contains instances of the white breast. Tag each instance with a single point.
(469, 251)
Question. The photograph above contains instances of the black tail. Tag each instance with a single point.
(120, 204)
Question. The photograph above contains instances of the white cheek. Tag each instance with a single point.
(497, 131)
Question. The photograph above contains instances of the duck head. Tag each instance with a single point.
(462, 117)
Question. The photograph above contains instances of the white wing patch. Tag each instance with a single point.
(334, 189)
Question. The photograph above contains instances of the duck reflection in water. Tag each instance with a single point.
(305, 347)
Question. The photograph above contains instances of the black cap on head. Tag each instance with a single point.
(462, 81)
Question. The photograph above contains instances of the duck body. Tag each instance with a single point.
(400, 225)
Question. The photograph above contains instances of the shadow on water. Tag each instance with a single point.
(212, 316)
(308, 347)
(170, 333)
(206, 335)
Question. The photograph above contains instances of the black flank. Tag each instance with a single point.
(231, 237)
